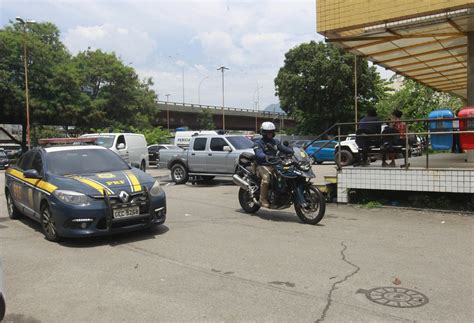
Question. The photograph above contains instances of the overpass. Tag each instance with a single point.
(180, 115)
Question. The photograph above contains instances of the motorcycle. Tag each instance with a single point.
(290, 184)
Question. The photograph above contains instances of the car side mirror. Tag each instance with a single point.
(227, 148)
(135, 165)
(121, 146)
(32, 173)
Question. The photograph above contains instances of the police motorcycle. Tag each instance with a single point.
(290, 184)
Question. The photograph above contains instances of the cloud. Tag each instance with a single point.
(133, 45)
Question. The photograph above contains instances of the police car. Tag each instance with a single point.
(82, 190)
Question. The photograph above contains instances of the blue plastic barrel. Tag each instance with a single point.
(445, 141)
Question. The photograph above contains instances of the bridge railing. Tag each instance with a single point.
(202, 106)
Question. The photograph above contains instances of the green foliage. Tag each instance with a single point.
(205, 120)
(416, 101)
(316, 86)
(94, 89)
(157, 136)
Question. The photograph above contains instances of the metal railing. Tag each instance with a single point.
(202, 106)
(425, 122)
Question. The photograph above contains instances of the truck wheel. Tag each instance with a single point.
(346, 158)
(179, 174)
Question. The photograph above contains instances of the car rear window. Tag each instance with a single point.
(199, 144)
(84, 161)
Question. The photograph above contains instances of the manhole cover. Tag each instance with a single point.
(395, 296)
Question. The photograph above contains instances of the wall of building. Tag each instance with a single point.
(337, 14)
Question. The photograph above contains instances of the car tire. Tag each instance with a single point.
(48, 224)
(179, 174)
(13, 212)
(345, 157)
(319, 162)
(143, 166)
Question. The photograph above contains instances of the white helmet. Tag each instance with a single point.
(268, 126)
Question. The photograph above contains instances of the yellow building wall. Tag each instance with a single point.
(340, 14)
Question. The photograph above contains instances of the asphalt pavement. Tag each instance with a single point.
(211, 262)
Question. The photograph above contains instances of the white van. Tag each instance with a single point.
(182, 138)
(132, 147)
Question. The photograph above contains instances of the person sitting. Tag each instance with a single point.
(266, 147)
(367, 126)
(398, 129)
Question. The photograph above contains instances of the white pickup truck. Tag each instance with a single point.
(208, 156)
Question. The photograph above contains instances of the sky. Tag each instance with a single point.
(165, 40)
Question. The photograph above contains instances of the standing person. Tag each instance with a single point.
(265, 147)
(398, 128)
(368, 125)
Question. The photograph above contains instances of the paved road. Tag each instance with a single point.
(210, 262)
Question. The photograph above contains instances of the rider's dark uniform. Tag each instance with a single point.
(264, 148)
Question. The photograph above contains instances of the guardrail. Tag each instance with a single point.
(202, 106)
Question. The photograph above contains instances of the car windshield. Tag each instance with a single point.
(84, 161)
(241, 142)
(105, 141)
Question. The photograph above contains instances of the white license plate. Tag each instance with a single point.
(126, 212)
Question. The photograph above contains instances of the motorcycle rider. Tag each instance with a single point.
(267, 147)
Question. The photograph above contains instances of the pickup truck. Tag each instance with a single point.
(208, 156)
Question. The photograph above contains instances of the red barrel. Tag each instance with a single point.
(466, 139)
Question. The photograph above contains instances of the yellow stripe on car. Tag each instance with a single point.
(136, 187)
(99, 187)
(39, 183)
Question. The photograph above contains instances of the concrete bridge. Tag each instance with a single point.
(180, 115)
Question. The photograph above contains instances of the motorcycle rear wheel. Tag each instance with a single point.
(315, 212)
(246, 202)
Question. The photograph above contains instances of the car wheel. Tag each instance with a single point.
(48, 224)
(13, 212)
(346, 158)
(179, 174)
(143, 166)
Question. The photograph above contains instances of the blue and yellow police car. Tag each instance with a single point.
(82, 190)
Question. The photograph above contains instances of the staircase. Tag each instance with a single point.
(329, 188)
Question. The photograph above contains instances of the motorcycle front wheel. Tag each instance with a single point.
(246, 202)
(314, 212)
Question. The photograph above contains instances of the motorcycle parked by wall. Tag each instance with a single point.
(291, 184)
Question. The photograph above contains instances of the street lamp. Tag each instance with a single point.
(24, 24)
(257, 105)
(222, 69)
(167, 110)
(199, 89)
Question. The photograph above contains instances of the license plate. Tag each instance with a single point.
(126, 212)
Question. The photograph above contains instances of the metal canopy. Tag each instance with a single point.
(429, 49)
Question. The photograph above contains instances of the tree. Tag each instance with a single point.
(205, 120)
(316, 86)
(415, 101)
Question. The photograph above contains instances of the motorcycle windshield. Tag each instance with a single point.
(300, 155)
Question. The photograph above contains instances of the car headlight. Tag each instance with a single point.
(155, 189)
(305, 167)
(72, 197)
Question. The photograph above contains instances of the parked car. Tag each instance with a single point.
(4, 161)
(154, 152)
(2, 296)
(13, 151)
(131, 147)
(208, 156)
(322, 150)
(77, 191)
(299, 143)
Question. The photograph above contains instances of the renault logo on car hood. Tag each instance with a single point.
(124, 196)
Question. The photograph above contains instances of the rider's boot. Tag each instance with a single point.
(264, 196)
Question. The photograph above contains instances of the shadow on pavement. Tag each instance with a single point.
(116, 239)
(276, 216)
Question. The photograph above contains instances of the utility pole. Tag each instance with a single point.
(167, 110)
(355, 90)
(183, 86)
(25, 63)
(222, 69)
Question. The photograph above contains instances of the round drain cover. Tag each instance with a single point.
(395, 297)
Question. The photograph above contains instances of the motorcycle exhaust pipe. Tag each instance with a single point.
(240, 182)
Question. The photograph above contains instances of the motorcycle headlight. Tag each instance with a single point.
(74, 198)
(305, 167)
(155, 189)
